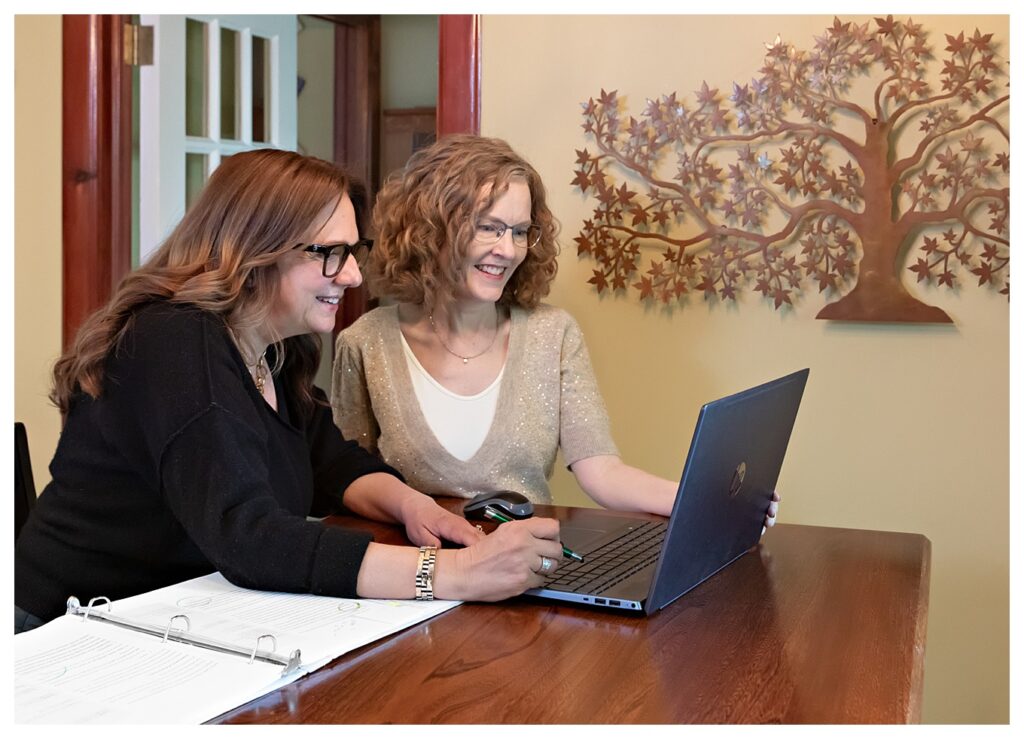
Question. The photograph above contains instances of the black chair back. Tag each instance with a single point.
(24, 483)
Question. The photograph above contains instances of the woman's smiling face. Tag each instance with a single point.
(487, 267)
(307, 302)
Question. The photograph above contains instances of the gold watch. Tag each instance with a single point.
(425, 573)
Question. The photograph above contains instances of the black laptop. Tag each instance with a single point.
(726, 487)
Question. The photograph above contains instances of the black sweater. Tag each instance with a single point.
(181, 468)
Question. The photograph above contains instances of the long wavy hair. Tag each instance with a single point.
(222, 257)
(425, 219)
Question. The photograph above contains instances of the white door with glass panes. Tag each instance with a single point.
(218, 85)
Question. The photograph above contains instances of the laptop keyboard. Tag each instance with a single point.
(613, 562)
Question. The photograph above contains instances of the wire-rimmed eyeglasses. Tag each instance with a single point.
(524, 235)
(335, 255)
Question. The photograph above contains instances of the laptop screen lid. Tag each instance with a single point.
(731, 469)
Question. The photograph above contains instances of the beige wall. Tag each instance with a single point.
(37, 230)
(902, 428)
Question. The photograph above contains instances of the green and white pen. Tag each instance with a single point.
(494, 515)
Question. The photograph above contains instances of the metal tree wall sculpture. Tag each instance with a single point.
(811, 173)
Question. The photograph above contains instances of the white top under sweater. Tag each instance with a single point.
(460, 422)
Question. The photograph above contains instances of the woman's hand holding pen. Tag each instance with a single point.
(502, 564)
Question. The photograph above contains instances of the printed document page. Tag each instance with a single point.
(321, 628)
(86, 671)
(93, 672)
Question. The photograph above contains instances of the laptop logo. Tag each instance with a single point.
(737, 479)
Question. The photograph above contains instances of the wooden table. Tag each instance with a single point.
(816, 625)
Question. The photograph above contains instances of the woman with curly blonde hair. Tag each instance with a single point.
(468, 383)
(195, 440)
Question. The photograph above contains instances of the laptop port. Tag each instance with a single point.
(614, 603)
(600, 601)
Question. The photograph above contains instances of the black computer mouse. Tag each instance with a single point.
(508, 502)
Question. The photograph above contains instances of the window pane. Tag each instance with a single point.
(195, 78)
(195, 177)
(229, 48)
(260, 89)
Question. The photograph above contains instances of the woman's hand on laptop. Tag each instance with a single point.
(773, 511)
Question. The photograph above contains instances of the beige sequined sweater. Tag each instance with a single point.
(548, 399)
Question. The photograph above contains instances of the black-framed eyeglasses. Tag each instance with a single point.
(524, 235)
(335, 255)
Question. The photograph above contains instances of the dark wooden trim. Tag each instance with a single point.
(458, 74)
(96, 170)
(357, 100)
(357, 113)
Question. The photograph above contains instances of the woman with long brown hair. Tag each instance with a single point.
(194, 437)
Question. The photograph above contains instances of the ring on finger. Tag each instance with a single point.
(545, 564)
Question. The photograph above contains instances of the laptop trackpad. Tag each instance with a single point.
(588, 538)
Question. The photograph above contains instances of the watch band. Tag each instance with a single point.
(425, 573)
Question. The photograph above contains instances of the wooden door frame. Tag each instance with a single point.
(96, 174)
(357, 99)
(97, 135)
(458, 74)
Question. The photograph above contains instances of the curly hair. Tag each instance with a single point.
(223, 258)
(425, 219)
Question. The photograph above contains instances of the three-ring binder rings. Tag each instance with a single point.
(189, 652)
(290, 663)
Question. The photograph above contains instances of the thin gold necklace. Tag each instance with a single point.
(465, 360)
(257, 370)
